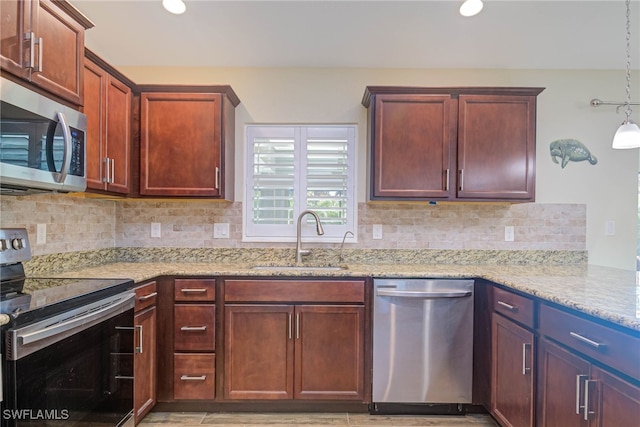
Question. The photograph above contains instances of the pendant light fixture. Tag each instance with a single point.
(471, 7)
(174, 6)
(628, 134)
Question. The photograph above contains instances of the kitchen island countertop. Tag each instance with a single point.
(606, 293)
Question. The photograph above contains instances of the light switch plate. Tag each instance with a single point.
(221, 230)
(377, 231)
(41, 234)
(509, 233)
(155, 229)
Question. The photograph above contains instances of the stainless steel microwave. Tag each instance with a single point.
(42, 143)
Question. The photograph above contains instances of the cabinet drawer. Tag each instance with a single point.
(194, 376)
(194, 327)
(195, 290)
(146, 296)
(614, 348)
(513, 306)
(351, 291)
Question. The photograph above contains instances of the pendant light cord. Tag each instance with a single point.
(628, 103)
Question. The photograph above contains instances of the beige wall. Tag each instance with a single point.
(606, 191)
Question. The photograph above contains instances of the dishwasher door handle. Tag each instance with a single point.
(421, 294)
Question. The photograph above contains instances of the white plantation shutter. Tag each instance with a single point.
(293, 168)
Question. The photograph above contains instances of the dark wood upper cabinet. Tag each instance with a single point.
(43, 43)
(451, 143)
(187, 141)
(108, 109)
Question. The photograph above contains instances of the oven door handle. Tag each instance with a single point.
(91, 317)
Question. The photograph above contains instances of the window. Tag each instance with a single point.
(291, 168)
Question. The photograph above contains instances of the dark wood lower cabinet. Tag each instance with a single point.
(512, 370)
(570, 386)
(294, 352)
(145, 363)
(194, 376)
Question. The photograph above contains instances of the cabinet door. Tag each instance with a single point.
(412, 145)
(618, 401)
(12, 48)
(561, 382)
(59, 69)
(118, 135)
(496, 147)
(512, 373)
(180, 144)
(258, 351)
(94, 88)
(325, 335)
(144, 365)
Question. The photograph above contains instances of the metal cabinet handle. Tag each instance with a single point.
(461, 179)
(579, 380)
(139, 348)
(31, 38)
(446, 182)
(190, 378)
(508, 306)
(105, 177)
(587, 412)
(123, 377)
(40, 44)
(525, 369)
(113, 171)
(217, 178)
(290, 326)
(587, 341)
(193, 328)
(146, 297)
(193, 290)
(297, 326)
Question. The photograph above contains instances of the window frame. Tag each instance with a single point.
(287, 232)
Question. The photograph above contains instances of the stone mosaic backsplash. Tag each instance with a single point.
(77, 224)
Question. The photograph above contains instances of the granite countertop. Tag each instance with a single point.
(607, 293)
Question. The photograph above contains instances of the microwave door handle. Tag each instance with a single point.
(66, 154)
(59, 176)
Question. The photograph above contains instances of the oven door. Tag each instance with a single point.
(78, 378)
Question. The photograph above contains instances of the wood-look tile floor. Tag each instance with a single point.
(192, 419)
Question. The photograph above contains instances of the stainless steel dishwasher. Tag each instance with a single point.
(422, 344)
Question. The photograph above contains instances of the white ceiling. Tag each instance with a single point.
(542, 34)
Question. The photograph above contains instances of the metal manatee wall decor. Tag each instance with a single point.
(570, 150)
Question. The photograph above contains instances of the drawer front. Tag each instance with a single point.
(514, 306)
(146, 296)
(351, 291)
(609, 346)
(194, 376)
(194, 327)
(195, 290)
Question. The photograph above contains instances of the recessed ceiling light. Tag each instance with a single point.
(174, 6)
(471, 7)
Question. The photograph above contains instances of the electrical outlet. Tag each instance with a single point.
(377, 231)
(41, 234)
(155, 229)
(509, 233)
(610, 228)
(221, 230)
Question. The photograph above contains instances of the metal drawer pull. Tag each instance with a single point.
(585, 340)
(446, 183)
(525, 369)
(579, 379)
(123, 377)
(189, 378)
(193, 290)
(146, 297)
(508, 306)
(290, 327)
(139, 348)
(194, 328)
(587, 412)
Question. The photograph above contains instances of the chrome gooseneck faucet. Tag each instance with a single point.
(299, 251)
